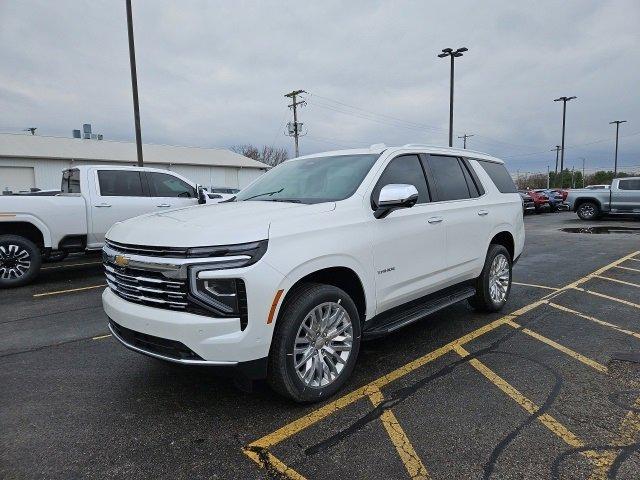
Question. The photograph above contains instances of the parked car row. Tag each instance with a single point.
(541, 200)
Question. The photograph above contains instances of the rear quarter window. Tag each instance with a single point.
(499, 175)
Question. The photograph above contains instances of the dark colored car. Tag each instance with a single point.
(528, 206)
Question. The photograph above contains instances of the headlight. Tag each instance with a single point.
(223, 296)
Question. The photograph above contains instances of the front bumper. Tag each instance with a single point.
(215, 341)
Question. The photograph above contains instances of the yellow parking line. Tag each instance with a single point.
(70, 265)
(617, 281)
(273, 462)
(69, 291)
(627, 435)
(602, 295)
(534, 285)
(628, 268)
(562, 348)
(529, 406)
(596, 320)
(100, 337)
(410, 459)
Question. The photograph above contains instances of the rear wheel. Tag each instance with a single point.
(20, 261)
(588, 211)
(316, 343)
(493, 286)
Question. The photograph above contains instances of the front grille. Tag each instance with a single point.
(152, 344)
(150, 288)
(148, 251)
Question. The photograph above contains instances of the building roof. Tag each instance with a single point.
(36, 146)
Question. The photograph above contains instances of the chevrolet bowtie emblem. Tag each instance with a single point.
(121, 260)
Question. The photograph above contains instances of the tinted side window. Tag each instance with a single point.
(473, 189)
(120, 183)
(449, 178)
(629, 184)
(70, 181)
(163, 185)
(499, 176)
(405, 169)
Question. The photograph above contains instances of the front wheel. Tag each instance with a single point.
(315, 345)
(493, 286)
(20, 261)
(588, 211)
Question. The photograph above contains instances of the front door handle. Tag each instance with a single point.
(434, 219)
(163, 205)
(482, 213)
(103, 205)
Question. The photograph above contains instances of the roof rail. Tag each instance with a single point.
(427, 145)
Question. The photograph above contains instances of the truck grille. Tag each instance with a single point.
(149, 288)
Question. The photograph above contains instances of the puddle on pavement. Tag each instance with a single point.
(603, 230)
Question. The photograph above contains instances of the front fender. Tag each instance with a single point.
(33, 220)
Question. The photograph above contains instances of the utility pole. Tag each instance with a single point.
(573, 171)
(564, 101)
(548, 173)
(555, 177)
(450, 52)
(294, 129)
(464, 140)
(582, 172)
(134, 83)
(615, 162)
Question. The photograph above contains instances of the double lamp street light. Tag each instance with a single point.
(450, 52)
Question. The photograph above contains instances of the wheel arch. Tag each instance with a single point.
(579, 201)
(504, 238)
(27, 229)
(339, 275)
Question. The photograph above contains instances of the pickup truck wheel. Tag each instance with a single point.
(494, 283)
(588, 211)
(315, 344)
(20, 261)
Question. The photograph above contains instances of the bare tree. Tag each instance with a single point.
(268, 154)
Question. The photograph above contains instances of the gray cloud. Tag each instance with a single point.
(214, 73)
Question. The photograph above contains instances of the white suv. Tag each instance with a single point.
(315, 255)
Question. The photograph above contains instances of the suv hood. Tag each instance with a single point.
(207, 225)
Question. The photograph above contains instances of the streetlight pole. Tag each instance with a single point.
(450, 52)
(564, 101)
(555, 175)
(615, 162)
(134, 84)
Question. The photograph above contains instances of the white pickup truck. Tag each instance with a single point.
(93, 198)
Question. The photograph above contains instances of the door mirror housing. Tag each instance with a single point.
(393, 197)
(202, 196)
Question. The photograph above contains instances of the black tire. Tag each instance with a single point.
(588, 211)
(482, 300)
(20, 261)
(281, 372)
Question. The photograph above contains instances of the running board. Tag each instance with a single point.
(399, 317)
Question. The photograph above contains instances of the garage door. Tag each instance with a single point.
(16, 178)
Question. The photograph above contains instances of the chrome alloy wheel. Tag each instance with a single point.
(14, 261)
(499, 278)
(323, 344)
(587, 210)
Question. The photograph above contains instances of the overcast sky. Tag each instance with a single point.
(214, 73)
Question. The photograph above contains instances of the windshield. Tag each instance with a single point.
(311, 180)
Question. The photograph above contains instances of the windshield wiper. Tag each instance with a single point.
(265, 193)
(289, 200)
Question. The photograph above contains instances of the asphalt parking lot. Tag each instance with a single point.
(548, 388)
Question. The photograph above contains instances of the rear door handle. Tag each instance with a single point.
(482, 213)
(434, 219)
(103, 205)
(163, 205)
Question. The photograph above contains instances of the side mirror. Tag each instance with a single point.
(202, 196)
(393, 197)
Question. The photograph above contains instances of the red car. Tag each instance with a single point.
(540, 200)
